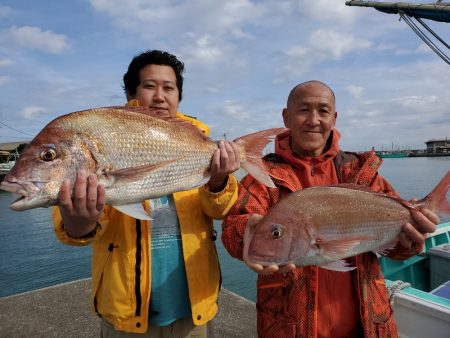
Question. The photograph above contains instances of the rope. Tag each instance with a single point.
(433, 33)
(395, 288)
(424, 38)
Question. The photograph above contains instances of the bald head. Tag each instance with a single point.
(304, 85)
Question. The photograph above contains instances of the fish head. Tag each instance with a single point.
(275, 239)
(51, 157)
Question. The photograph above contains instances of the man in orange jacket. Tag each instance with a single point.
(311, 301)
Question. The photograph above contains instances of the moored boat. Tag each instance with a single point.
(419, 288)
(392, 154)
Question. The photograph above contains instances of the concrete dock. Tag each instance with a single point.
(63, 311)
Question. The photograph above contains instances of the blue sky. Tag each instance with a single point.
(242, 58)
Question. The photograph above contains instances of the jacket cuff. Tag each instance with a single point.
(88, 236)
(228, 187)
(66, 238)
(217, 204)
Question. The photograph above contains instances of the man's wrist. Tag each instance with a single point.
(215, 188)
(91, 233)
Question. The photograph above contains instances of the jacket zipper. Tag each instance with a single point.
(137, 285)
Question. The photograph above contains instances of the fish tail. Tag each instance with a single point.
(437, 199)
(253, 145)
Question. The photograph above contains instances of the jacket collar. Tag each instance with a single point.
(284, 150)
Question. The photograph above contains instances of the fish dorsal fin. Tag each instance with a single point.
(131, 174)
(352, 186)
(135, 210)
(359, 187)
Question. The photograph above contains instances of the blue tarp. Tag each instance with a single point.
(443, 290)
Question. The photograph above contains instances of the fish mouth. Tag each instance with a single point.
(15, 187)
(27, 191)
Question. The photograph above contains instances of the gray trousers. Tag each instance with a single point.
(181, 328)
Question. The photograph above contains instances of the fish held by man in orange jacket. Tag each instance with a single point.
(323, 225)
(135, 154)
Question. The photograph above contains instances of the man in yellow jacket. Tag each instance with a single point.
(153, 278)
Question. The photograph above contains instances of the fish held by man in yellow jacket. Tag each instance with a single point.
(135, 154)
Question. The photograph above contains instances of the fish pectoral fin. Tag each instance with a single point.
(339, 265)
(337, 247)
(135, 210)
(203, 181)
(385, 249)
(133, 174)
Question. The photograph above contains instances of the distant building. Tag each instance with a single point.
(438, 146)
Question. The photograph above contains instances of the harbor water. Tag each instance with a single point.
(32, 258)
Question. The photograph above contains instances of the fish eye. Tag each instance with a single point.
(277, 231)
(48, 154)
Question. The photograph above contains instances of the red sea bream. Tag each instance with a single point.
(324, 225)
(135, 155)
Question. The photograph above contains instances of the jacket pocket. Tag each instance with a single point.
(272, 295)
(113, 286)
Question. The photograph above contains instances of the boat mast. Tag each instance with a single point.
(438, 11)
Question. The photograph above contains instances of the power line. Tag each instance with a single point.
(15, 129)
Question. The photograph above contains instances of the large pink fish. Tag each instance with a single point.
(134, 154)
(325, 224)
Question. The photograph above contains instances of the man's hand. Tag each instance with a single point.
(424, 222)
(270, 269)
(259, 268)
(81, 212)
(226, 160)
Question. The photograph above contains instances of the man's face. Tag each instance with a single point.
(310, 115)
(158, 89)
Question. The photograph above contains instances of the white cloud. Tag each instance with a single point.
(6, 62)
(418, 102)
(355, 91)
(5, 11)
(326, 10)
(423, 48)
(31, 111)
(235, 110)
(206, 51)
(327, 43)
(35, 38)
(223, 18)
(323, 45)
(4, 80)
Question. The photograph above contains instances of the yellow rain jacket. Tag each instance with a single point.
(121, 257)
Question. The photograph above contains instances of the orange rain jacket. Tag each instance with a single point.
(121, 255)
(287, 305)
